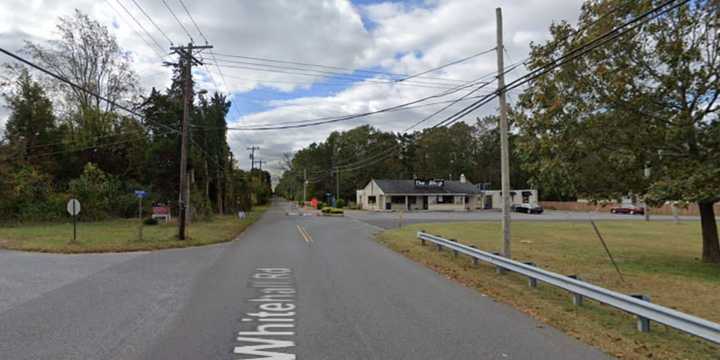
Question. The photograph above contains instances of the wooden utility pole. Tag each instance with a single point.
(337, 185)
(187, 61)
(305, 182)
(260, 162)
(504, 144)
(252, 155)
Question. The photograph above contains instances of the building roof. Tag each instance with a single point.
(408, 187)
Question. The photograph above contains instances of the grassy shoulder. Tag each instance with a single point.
(659, 259)
(122, 235)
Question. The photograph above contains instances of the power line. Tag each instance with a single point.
(153, 22)
(285, 67)
(448, 64)
(139, 24)
(134, 29)
(167, 6)
(352, 116)
(193, 21)
(487, 98)
(334, 76)
(572, 54)
(335, 67)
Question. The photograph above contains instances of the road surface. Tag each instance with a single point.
(290, 287)
(388, 220)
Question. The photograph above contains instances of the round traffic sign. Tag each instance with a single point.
(73, 207)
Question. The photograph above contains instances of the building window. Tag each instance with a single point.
(397, 199)
(412, 200)
(371, 199)
(445, 199)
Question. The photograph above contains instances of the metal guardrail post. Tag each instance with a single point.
(576, 298)
(532, 282)
(455, 252)
(499, 269)
(422, 239)
(475, 260)
(643, 323)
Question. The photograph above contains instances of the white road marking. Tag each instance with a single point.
(275, 317)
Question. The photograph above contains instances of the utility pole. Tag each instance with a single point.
(305, 182)
(260, 162)
(252, 155)
(504, 145)
(337, 185)
(187, 61)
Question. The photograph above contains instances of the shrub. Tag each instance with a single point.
(332, 210)
(150, 221)
(340, 203)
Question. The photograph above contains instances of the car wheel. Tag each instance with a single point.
(632, 212)
(613, 211)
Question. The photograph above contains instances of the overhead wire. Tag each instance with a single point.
(167, 6)
(573, 54)
(142, 10)
(134, 29)
(580, 51)
(448, 64)
(368, 71)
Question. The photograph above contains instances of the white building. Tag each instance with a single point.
(438, 195)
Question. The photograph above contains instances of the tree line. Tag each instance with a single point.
(637, 116)
(61, 142)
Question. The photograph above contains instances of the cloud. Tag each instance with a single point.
(392, 36)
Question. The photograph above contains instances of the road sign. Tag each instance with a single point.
(140, 194)
(73, 207)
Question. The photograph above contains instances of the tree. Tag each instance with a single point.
(31, 128)
(645, 102)
(88, 55)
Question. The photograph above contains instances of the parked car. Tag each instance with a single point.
(527, 208)
(628, 209)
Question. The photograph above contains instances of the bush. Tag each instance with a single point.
(150, 221)
(332, 210)
(340, 203)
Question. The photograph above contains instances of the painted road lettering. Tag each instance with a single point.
(271, 328)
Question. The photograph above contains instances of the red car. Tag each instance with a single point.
(628, 209)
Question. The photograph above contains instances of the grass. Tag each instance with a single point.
(659, 259)
(122, 235)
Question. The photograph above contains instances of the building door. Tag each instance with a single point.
(425, 202)
(488, 202)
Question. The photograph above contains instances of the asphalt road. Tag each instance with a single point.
(388, 220)
(290, 287)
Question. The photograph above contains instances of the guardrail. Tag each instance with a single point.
(634, 304)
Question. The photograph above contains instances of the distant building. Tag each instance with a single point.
(437, 195)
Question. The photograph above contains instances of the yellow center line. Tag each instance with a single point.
(304, 234)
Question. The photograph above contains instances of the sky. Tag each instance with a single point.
(400, 37)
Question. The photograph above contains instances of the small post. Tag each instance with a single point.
(140, 229)
(455, 252)
(532, 282)
(422, 240)
(498, 269)
(475, 260)
(74, 226)
(643, 323)
(576, 298)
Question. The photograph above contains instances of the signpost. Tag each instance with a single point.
(73, 208)
(140, 194)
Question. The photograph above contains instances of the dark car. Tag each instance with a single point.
(628, 209)
(527, 208)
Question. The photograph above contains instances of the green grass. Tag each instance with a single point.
(122, 235)
(660, 259)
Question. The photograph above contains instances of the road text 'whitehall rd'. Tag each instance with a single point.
(273, 325)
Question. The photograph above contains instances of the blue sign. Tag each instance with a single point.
(140, 194)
